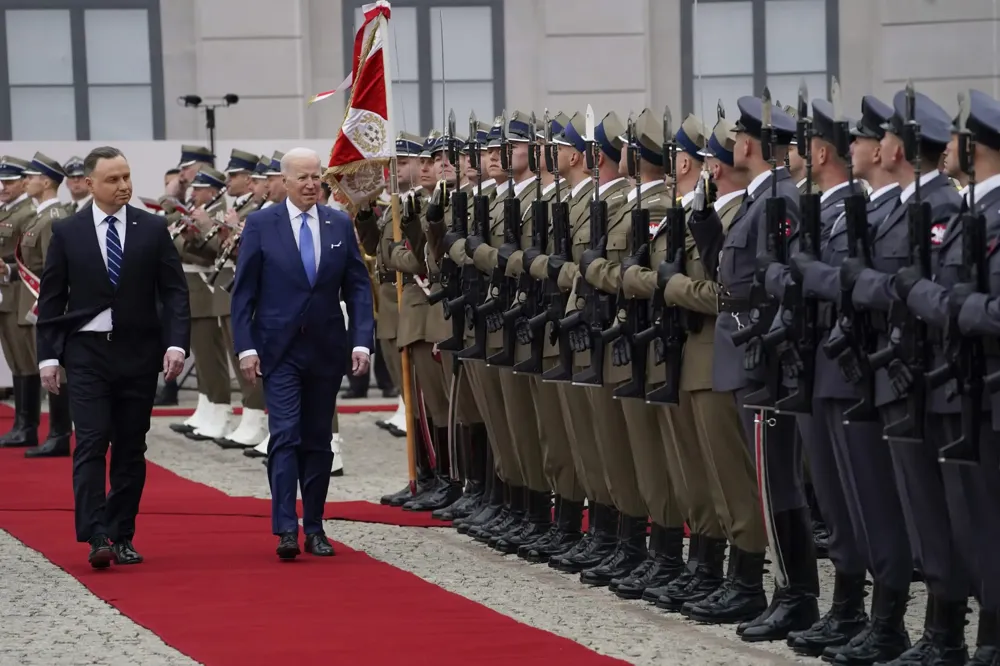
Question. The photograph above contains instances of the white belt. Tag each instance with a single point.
(192, 268)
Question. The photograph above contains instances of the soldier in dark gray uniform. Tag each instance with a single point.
(972, 491)
(918, 474)
(850, 468)
(742, 596)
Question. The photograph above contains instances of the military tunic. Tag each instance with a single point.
(376, 237)
(34, 246)
(18, 344)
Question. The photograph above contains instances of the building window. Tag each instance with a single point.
(773, 43)
(98, 74)
(425, 86)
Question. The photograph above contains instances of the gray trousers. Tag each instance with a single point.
(974, 504)
(783, 454)
(869, 489)
(925, 508)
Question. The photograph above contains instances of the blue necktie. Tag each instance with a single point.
(114, 251)
(306, 249)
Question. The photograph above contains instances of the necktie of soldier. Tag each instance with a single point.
(307, 250)
(114, 250)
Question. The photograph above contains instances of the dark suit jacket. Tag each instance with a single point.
(75, 287)
(274, 308)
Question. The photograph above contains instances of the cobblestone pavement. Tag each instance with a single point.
(45, 611)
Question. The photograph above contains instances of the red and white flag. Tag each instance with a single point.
(370, 11)
(364, 145)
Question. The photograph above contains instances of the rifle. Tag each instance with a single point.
(530, 292)
(217, 225)
(597, 305)
(763, 306)
(555, 298)
(966, 354)
(909, 351)
(228, 248)
(451, 273)
(474, 288)
(800, 313)
(858, 335)
(669, 332)
(501, 287)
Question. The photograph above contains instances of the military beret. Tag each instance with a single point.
(240, 160)
(193, 154)
(874, 115)
(74, 167)
(12, 168)
(42, 165)
(408, 145)
(208, 177)
(935, 125)
(751, 120)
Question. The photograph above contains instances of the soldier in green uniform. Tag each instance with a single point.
(211, 357)
(44, 177)
(77, 185)
(18, 349)
(253, 422)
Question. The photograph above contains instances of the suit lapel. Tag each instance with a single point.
(897, 214)
(287, 241)
(327, 239)
(132, 230)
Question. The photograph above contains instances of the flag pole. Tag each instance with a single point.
(397, 236)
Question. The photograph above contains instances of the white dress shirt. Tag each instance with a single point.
(720, 202)
(911, 189)
(80, 204)
(312, 221)
(102, 323)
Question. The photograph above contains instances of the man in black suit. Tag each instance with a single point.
(107, 268)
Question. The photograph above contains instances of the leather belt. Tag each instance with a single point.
(732, 304)
(385, 278)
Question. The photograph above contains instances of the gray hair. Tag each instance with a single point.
(298, 154)
(97, 154)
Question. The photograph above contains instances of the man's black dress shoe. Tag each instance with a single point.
(319, 545)
(253, 453)
(396, 431)
(125, 553)
(288, 547)
(100, 552)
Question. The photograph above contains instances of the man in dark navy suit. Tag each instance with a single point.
(113, 310)
(297, 260)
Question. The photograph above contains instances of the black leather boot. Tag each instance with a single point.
(492, 506)
(446, 490)
(490, 481)
(628, 554)
(987, 640)
(27, 411)
(56, 445)
(518, 516)
(508, 520)
(884, 638)
(602, 542)
(664, 564)
(949, 633)
(585, 542)
(538, 520)
(563, 535)
(706, 579)
(741, 595)
(651, 594)
(475, 477)
(845, 619)
(426, 480)
(797, 608)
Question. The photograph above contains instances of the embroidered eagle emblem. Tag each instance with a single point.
(937, 233)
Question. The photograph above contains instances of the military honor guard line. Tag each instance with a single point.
(666, 327)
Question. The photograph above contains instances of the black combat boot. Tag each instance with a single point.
(845, 619)
(664, 564)
(563, 535)
(493, 504)
(651, 594)
(537, 523)
(475, 477)
(512, 518)
(797, 608)
(56, 445)
(27, 411)
(602, 542)
(704, 581)
(987, 640)
(446, 490)
(629, 553)
(498, 516)
(426, 480)
(884, 638)
(585, 542)
(740, 597)
(490, 481)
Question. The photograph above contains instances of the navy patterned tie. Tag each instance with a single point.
(114, 250)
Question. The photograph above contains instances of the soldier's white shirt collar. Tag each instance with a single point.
(502, 188)
(882, 191)
(488, 183)
(721, 202)
(983, 188)
(266, 204)
(579, 186)
(84, 201)
(801, 183)
(905, 195)
(645, 186)
(519, 187)
(826, 195)
(551, 186)
(687, 199)
(604, 188)
(16, 201)
(48, 203)
(759, 180)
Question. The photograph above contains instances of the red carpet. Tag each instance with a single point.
(212, 588)
(348, 408)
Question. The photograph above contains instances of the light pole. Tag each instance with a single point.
(196, 102)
